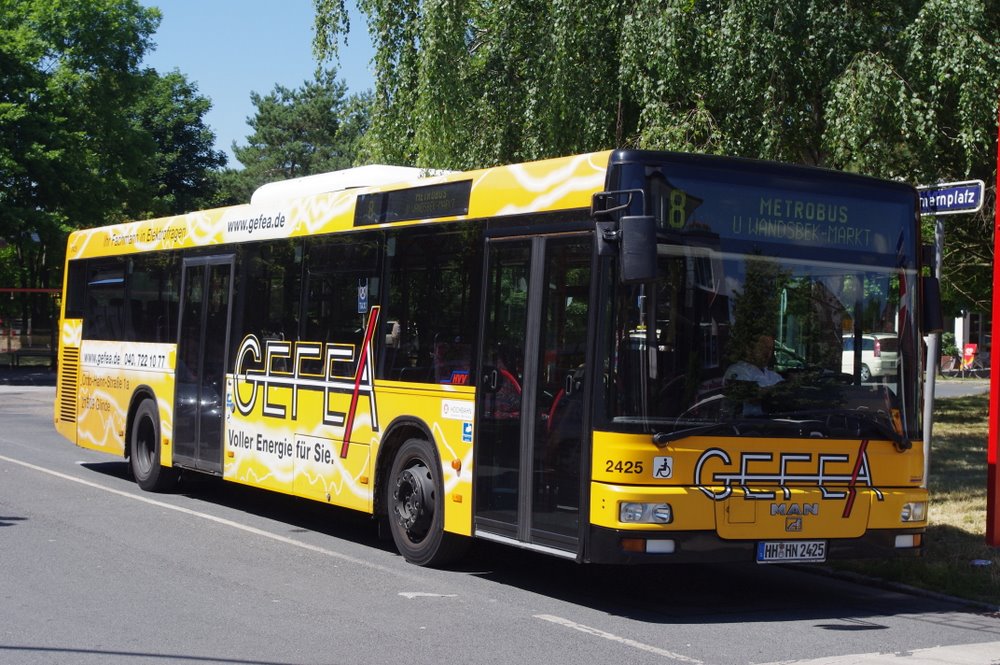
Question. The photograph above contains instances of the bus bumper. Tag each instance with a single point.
(613, 546)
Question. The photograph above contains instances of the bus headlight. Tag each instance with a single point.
(645, 513)
(915, 511)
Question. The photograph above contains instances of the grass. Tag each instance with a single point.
(957, 519)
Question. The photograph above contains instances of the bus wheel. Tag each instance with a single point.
(145, 450)
(416, 508)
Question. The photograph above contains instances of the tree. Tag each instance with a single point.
(87, 137)
(68, 155)
(171, 113)
(298, 132)
(904, 89)
(464, 84)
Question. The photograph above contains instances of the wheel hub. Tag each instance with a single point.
(413, 496)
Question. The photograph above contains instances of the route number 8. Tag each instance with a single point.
(677, 214)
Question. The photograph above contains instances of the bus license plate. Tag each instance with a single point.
(783, 551)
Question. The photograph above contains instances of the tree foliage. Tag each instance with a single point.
(87, 137)
(182, 156)
(904, 89)
(68, 70)
(296, 132)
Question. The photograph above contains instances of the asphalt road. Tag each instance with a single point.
(92, 570)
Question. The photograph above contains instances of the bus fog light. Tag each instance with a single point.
(645, 513)
(914, 512)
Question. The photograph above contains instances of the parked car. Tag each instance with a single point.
(879, 355)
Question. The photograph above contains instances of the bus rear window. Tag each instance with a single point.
(76, 290)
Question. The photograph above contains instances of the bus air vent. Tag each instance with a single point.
(69, 371)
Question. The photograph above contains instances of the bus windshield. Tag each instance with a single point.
(780, 309)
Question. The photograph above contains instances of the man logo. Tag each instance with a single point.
(794, 509)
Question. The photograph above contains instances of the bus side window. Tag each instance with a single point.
(432, 306)
(154, 295)
(268, 288)
(341, 287)
(104, 315)
(452, 360)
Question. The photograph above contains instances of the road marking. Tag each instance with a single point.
(985, 653)
(616, 638)
(423, 594)
(220, 520)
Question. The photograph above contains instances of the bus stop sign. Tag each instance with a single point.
(951, 198)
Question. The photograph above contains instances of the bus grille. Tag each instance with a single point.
(69, 371)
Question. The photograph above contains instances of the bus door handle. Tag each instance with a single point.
(570, 384)
(492, 379)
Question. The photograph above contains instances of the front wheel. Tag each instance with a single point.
(144, 456)
(415, 500)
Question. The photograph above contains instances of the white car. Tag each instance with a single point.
(879, 355)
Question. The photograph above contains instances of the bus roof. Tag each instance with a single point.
(371, 175)
(334, 204)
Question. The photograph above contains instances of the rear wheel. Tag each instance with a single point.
(866, 374)
(144, 457)
(415, 500)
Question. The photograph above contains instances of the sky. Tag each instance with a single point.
(230, 48)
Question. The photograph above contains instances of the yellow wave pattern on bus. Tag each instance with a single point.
(556, 184)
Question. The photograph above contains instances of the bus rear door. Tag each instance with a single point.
(199, 399)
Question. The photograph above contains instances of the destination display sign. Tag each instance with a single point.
(445, 200)
(757, 209)
(951, 198)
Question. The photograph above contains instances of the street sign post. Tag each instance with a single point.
(951, 198)
(993, 438)
(944, 198)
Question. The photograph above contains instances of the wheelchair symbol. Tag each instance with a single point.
(663, 467)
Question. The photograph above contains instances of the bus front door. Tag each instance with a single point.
(530, 411)
(199, 398)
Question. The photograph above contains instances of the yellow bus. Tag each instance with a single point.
(617, 357)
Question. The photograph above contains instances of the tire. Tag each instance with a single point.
(144, 445)
(415, 501)
(866, 374)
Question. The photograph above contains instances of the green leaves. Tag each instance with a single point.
(297, 132)
(903, 89)
(465, 83)
(86, 137)
(178, 144)
(69, 68)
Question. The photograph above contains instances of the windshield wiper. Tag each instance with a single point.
(661, 439)
(874, 419)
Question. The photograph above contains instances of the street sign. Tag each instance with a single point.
(951, 198)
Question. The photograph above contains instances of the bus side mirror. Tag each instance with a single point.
(637, 250)
(933, 321)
